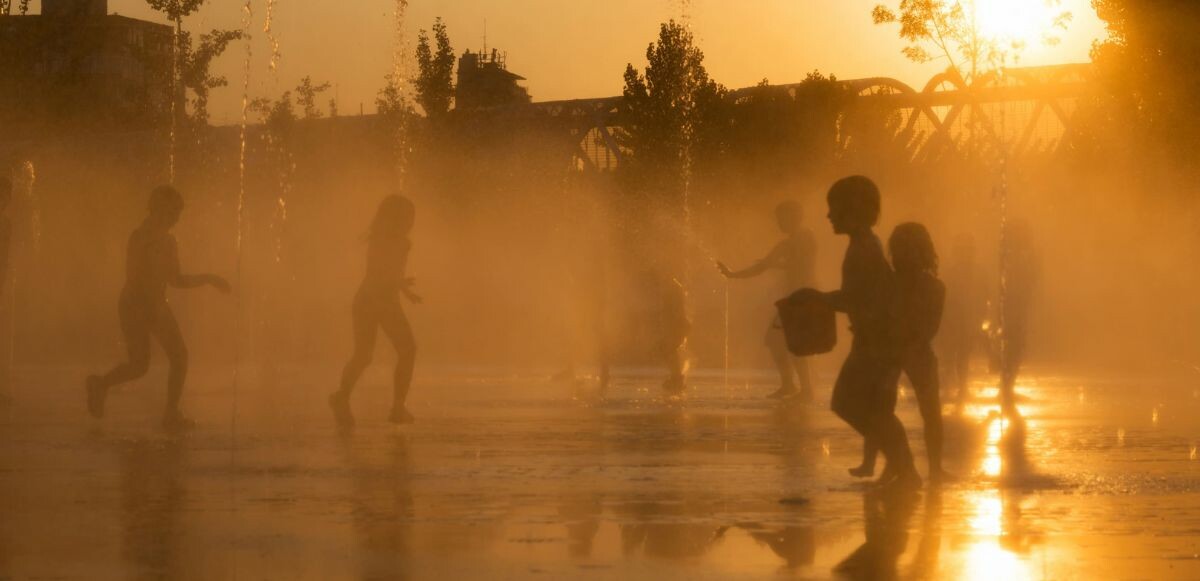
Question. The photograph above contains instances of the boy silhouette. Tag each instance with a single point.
(152, 265)
(794, 258)
(865, 392)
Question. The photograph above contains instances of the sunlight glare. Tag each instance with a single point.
(1019, 21)
(986, 560)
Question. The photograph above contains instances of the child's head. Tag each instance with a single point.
(788, 215)
(166, 204)
(5, 193)
(912, 249)
(394, 217)
(853, 204)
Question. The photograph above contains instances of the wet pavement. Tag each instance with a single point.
(515, 476)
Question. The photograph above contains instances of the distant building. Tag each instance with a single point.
(484, 81)
(75, 67)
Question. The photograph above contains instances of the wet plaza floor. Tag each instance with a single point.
(510, 476)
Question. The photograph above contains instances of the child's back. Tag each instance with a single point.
(920, 297)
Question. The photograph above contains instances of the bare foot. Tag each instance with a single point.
(95, 396)
(340, 404)
(400, 415)
(177, 422)
(906, 481)
(862, 471)
(674, 386)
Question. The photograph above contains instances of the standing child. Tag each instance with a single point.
(377, 306)
(794, 258)
(668, 326)
(919, 299)
(151, 265)
(864, 394)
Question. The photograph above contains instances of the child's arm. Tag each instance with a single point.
(409, 282)
(413, 297)
(772, 259)
(180, 280)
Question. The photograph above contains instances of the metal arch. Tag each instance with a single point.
(1041, 87)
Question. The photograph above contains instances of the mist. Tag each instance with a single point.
(480, 333)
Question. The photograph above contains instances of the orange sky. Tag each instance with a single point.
(578, 48)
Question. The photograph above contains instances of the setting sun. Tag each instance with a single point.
(1025, 22)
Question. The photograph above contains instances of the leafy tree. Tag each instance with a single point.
(434, 83)
(306, 96)
(780, 133)
(937, 29)
(278, 116)
(390, 102)
(194, 73)
(1149, 70)
(176, 11)
(673, 112)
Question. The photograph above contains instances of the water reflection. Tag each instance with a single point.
(665, 529)
(152, 495)
(1002, 539)
(382, 508)
(581, 515)
(885, 522)
(925, 562)
(796, 545)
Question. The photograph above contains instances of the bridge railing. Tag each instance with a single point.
(1016, 112)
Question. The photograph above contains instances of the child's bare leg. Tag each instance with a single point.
(867, 468)
(805, 377)
(166, 330)
(924, 377)
(675, 362)
(777, 346)
(399, 332)
(135, 329)
(365, 322)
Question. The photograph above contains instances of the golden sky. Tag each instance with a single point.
(578, 48)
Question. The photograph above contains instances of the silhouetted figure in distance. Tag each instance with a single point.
(1020, 267)
(152, 265)
(669, 326)
(964, 316)
(919, 298)
(377, 306)
(864, 394)
(794, 258)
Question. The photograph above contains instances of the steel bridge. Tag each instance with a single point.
(1020, 112)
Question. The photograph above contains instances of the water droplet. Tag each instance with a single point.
(1121, 436)
(825, 447)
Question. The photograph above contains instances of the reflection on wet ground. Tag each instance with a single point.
(512, 476)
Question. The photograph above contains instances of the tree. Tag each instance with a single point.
(306, 96)
(194, 73)
(1149, 72)
(781, 133)
(673, 112)
(949, 29)
(389, 103)
(277, 116)
(434, 83)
